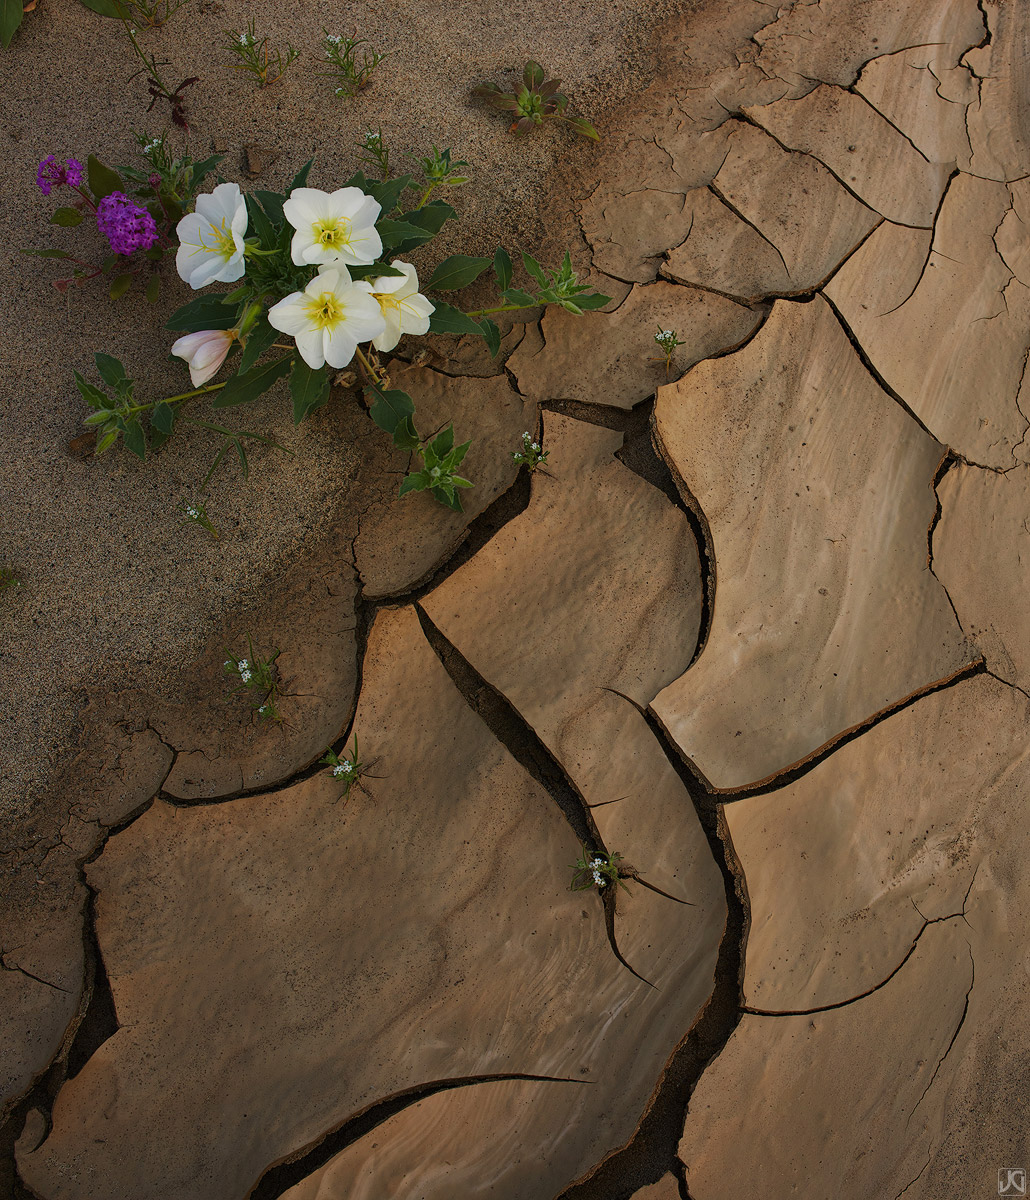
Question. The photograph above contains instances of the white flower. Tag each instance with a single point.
(194, 514)
(245, 676)
(329, 317)
(244, 39)
(204, 352)
(333, 227)
(211, 239)
(243, 664)
(338, 771)
(404, 309)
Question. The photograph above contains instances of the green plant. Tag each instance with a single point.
(667, 342)
(348, 770)
(151, 14)
(259, 677)
(8, 579)
(375, 153)
(599, 870)
(324, 269)
(197, 513)
(530, 456)
(267, 65)
(538, 100)
(136, 208)
(341, 54)
(438, 171)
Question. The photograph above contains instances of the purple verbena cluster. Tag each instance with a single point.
(125, 225)
(50, 174)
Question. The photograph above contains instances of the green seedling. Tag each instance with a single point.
(538, 100)
(531, 455)
(197, 514)
(266, 64)
(258, 677)
(348, 770)
(440, 172)
(599, 870)
(440, 461)
(375, 153)
(151, 14)
(8, 579)
(667, 342)
(352, 75)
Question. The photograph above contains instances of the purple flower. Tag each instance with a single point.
(50, 175)
(125, 225)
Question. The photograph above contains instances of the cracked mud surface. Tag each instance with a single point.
(759, 626)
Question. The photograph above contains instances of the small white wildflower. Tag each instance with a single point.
(243, 664)
(338, 771)
(347, 768)
(598, 879)
(527, 436)
(245, 676)
(244, 39)
(228, 663)
(192, 512)
(535, 446)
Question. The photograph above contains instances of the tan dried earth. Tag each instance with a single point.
(759, 626)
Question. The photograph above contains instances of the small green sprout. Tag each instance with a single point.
(347, 771)
(375, 152)
(439, 171)
(530, 456)
(267, 66)
(257, 676)
(9, 579)
(197, 513)
(341, 53)
(667, 342)
(598, 870)
(536, 101)
(440, 460)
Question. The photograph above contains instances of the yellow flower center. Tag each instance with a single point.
(333, 232)
(223, 243)
(325, 310)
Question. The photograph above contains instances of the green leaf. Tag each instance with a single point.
(503, 267)
(390, 408)
(447, 319)
(105, 8)
(450, 499)
(405, 435)
(301, 178)
(163, 418)
(107, 441)
(457, 271)
(492, 335)
(533, 75)
(67, 218)
(443, 443)
(47, 253)
(111, 370)
(154, 254)
(457, 455)
(261, 336)
(417, 481)
(248, 385)
(534, 268)
(308, 387)
(153, 289)
(93, 396)
(582, 125)
(102, 179)
(388, 192)
(272, 203)
(120, 285)
(519, 298)
(260, 224)
(393, 233)
(11, 12)
(432, 216)
(206, 312)
(205, 167)
(594, 300)
(135, 439)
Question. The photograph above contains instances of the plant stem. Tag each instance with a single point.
(149, 63)
(485, 312)
(372, 373)
(202, 391)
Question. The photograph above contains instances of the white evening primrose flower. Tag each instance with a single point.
(204, 353)
(211, 239)
(329, 317)
(333, 227)
(404, 309)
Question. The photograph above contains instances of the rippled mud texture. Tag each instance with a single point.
(758, 625)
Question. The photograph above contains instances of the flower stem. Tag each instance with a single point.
(202, 391)
(372, 373)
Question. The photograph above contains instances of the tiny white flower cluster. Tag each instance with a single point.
(595, 869)
(246, 39)
(530, 455)
(192, 513)
(333, 39)
(345, 768)
(153, 145)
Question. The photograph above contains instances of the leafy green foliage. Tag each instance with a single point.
(352, 75)
(348, 770)
(267, 64)
(538, 100)
(596, 870)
